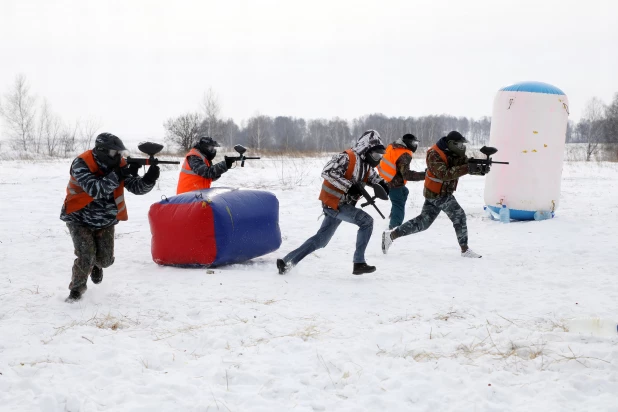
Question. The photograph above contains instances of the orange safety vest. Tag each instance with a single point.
(387, 167)
(432, 183)
(188, 180)
(331, 195)
(77, 198)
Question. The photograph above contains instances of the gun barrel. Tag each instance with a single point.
(500, 163)
(148, 162)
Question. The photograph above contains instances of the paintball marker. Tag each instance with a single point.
(378, 191)
(483, 165)
(150, 149)
(241, 151)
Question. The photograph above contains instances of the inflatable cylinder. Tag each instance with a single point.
(214, 227)
(528, 127)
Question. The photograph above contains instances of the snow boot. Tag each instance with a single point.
(96, 275)
(283, 267)
(74, 296)
(361, 268)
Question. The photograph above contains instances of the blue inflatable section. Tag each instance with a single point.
(533, 87)
(516, 214)
(246, 224)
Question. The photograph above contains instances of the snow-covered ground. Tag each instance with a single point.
(428, 331)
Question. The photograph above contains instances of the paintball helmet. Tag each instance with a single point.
(108, 148)
(206, 145)
(410, 141)
(456, 143)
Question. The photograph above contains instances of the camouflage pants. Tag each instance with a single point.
(431, 209)
(92, 247)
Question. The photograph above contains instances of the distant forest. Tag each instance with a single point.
(31, 126)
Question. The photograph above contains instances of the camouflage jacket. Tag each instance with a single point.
(403, 170)
(334, 171)
(102, 211)
(200, 168)
(457, 166)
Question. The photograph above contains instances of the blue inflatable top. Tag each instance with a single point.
(533, 87)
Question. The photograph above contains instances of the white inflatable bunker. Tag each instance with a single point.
(528, 127)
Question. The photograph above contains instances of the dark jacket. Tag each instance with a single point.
(209, 172)
(102, 211)
(403, 169)
(457, 166)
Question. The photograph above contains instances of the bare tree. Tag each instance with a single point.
(67, 139)
(594, 114)
(230, 132)
(317, 135)
(18, 112)
(211, 108)
(259, 129)
(183, 130)
(87, 130)
(49, 130)
(611, 122)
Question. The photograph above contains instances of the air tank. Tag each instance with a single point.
(528, 127)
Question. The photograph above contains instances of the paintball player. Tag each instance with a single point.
(339, 195)
(95, 203)
(446, 163)
(395, 169)
(197, 170)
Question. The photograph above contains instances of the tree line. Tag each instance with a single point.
(285, 133)
(32, 126)
(597, 126)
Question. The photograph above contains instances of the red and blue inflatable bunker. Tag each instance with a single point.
(214, 227)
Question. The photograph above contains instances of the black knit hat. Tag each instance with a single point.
(455, 136)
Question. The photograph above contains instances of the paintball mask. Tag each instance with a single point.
(374, 155)
(410, 141)
(456, 143)
(207, 145)
(108, 149)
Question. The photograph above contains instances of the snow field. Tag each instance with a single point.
(427, 331)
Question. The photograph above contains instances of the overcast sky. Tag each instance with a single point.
(133, 64)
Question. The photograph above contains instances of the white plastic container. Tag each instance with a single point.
(543, 215)
(594, 326)
(528, 127)
(505, 214)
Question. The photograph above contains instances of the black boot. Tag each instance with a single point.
(360, 268)
(74, 296)
(283, 267)
(96, 275)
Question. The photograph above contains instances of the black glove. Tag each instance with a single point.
(122, 172)
(477, 169)
(354, 191)
(134, 169)
(385, 186)
(151, 175)
(229, 161)
(418, 176)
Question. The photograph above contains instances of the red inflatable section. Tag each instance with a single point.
(181, 229)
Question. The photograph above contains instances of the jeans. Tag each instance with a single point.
(398, 196)
(431, 209)
(332, 220)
